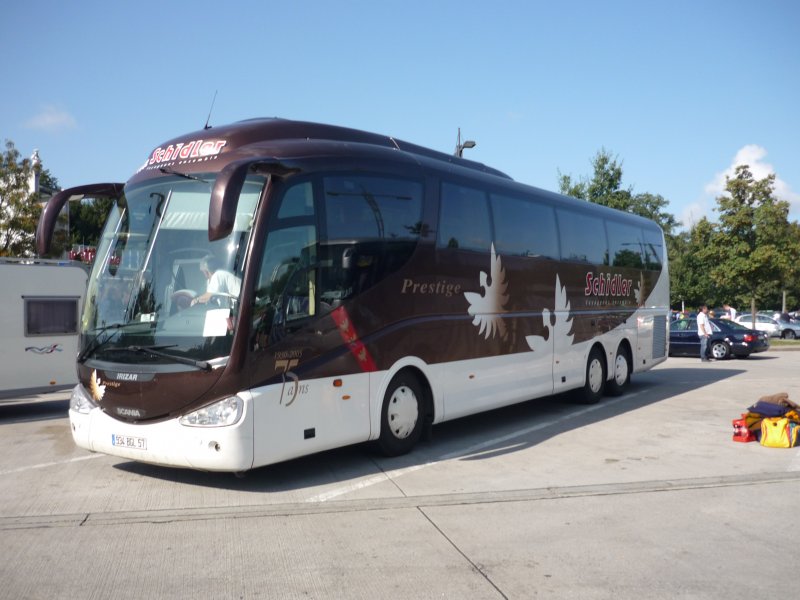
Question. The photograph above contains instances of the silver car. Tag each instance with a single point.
(774, 327)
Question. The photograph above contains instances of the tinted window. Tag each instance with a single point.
(285, 291)
(683, 325)
(653, 249)
(51, 316)
(464, 219)
(624, 245)
(372, 208)
(298, 201)
(583, 237)
(523, 227)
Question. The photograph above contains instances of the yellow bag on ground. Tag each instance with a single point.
(753, 421)
(779, 432)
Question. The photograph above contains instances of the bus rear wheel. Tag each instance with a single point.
(401, 415)
(622, 373)
(593, 388)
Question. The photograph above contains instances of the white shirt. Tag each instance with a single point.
(703, 324)
(223, 282)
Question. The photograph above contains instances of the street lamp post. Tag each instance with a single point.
(460, 146)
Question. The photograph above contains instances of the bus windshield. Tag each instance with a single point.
(159, 291)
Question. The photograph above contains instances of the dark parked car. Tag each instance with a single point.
(729, 338)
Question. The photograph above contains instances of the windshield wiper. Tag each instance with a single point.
(168, 171)
(157, 351)
(97, 343)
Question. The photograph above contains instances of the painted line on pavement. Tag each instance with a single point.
(50, 464)
(396, 473)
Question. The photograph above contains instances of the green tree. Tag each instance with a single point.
(87, 218)
(19, 209)
(605, 187)
(690, 285)
(754, 248)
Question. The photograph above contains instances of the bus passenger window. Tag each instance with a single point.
(372, 225)
(624, 245)
(464, 219)
(583, 237)
(524, 228)
(653, 249)
(360, 207)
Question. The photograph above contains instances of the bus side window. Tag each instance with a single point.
(624, 245)
(464, 219)
(583, 237)
(653, 249)
(285, 287)
(371, 229)
(524, 228)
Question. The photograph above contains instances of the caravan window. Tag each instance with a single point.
(51, 316)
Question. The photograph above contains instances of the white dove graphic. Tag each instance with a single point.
(558, 324)
(487, 307)
(95, 388)
(638, 291)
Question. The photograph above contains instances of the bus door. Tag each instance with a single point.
(297, 407)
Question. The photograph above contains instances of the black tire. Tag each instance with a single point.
(621, 377)
(788, 335)
(720, 350)
(402, 415)
(595, 384)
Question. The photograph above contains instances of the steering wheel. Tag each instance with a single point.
(183, 299)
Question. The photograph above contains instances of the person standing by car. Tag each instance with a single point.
(731, 311)
(703, 331)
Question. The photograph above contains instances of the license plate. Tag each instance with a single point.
(128, 441)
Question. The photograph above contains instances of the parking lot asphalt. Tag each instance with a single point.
(645, 495)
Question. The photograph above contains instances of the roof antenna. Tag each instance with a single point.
(207, 126)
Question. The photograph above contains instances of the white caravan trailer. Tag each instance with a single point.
(40, 304)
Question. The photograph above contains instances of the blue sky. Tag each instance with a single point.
(680, 92)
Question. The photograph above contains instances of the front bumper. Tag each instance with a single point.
(169, 443)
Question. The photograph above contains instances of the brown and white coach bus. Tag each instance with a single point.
(274, 288)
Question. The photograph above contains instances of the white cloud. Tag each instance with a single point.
(695, 211)
(753, 156)
(52, 119)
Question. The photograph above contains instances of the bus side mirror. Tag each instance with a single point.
(225, 199)
(227, 188)
(49, 216)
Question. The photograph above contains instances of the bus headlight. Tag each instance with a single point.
(220, 414)
(80, 401)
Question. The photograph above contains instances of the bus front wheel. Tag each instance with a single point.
(593, 388)
(401, 415)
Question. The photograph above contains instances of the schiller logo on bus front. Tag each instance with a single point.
(606, 284)
(186, 151)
